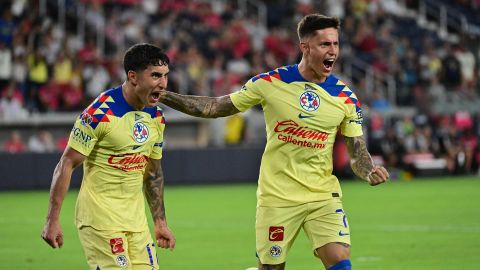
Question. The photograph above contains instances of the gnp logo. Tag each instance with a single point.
(275, 233)
(309, 101)
(80, 136)
(140, 132)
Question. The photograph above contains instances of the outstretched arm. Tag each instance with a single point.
(153, 187)
(52, 231)
(200, 106)
(362, 163)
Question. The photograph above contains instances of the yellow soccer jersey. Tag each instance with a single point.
(118, 141)
(302, 119)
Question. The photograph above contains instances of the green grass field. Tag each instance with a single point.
(422, 224)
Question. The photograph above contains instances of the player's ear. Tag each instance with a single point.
(304, 46)
(132, 77)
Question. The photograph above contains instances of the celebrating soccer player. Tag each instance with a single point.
(119, 139)
(304, 106)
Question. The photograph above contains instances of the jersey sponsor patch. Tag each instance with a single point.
(117, 245)
(80, 136)
(276, 233)
(309, 101)
(140, 132)
(291, 132)
(128, 162)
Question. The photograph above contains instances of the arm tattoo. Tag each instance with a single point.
(360, 160)
(153, 187)
(200, 106)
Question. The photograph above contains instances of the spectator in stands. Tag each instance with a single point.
(11, 103)
(392, 149)
(15, 143)
(49, 97)
(96, 78)
(451, 70)
(6, 64)
(41, 142)
(61, 143)
(430, 62)
(63, 71)
(37, 77)
(7, 27)
(467, 69)
(19, 74)
(73, 98)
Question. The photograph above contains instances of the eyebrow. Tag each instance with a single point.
(329, 42)
(155, 73)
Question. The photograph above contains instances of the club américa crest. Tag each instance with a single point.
(86, 119)
(275, 251)
(140, 132)
(121, 261)
(309, 101)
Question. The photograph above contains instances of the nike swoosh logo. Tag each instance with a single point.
(342, 234)
(301, 116)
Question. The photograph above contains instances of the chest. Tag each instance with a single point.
(127, 134)
(305, 103)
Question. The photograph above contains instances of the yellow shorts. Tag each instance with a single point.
(107, 250)
(277, 227)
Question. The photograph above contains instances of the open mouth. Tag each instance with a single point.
(328, 64)
(155, 96)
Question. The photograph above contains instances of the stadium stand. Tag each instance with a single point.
(413, 64)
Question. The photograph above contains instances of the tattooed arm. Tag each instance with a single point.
(362, 163)
(153, 187)
(200, 106)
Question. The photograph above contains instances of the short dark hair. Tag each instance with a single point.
(313, 22)
(140, 56)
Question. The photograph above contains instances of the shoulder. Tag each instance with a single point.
(285, 74)
(107, 105)
(337, 88)
(155, 113)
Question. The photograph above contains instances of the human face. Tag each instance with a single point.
(148, 84)
(320, 51)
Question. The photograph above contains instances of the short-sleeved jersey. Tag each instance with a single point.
(302, 119)
(118, 141)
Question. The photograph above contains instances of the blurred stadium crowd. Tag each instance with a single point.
(419, 90)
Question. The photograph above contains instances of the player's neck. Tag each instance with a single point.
(309, 74)
(128, 94)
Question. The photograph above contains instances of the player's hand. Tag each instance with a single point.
(165, 237)
(378, 175)
(52, 234)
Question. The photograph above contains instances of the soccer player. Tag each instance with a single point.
(119, 139)
(304, 106)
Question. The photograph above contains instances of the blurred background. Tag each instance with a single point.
(414, 64)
